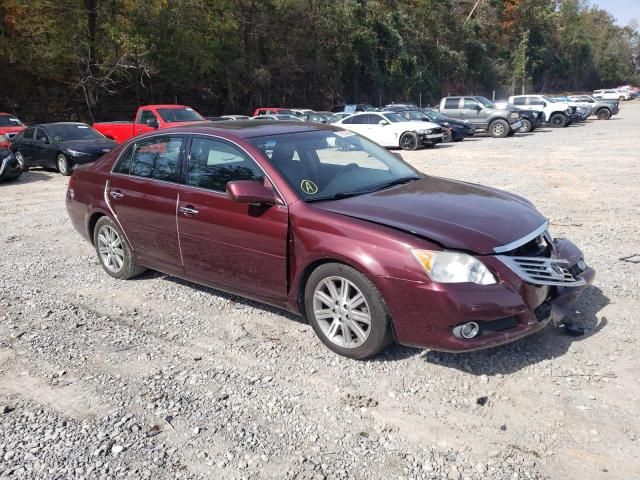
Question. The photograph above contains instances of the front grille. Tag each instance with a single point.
(436, 130)
(542, 271)
(497, 325)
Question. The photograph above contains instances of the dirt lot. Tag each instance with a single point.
(158, 378)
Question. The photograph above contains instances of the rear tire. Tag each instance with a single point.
(63, 165)
(621, 99)
(359, 331)
(558, 120)
(114, 253)
(499, 129)
(409, 141)
(604, 114)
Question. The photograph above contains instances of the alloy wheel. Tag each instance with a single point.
(20, 160)
(62, 164)
(342, 312)
(110, 248)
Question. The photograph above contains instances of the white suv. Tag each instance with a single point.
(390, 129)
(612, 94)
(556, 114)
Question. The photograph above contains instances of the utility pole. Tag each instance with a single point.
(525, 44)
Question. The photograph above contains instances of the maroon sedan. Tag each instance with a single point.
(327, 224)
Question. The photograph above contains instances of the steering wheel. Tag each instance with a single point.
(343, 171)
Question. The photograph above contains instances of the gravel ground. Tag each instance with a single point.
(159, 378)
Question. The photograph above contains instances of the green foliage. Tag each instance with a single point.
(100, 58)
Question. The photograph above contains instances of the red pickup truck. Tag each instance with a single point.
(149, 117)
(10, 126)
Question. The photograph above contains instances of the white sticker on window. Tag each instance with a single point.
(189, 109)
(13, 119)
(83, 126)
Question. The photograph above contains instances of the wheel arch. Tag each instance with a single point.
(303, 278)
(91, 223)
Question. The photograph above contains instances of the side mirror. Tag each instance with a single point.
(44, 140)
(152, 122)
(544, 104)
(477, 107)
(250, 191)
(383, 123)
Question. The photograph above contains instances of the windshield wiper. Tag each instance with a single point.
(341, 195)
(393, 183)
(337, 196)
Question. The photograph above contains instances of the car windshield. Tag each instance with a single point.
(185, 114)
(329, 165)
(433, 115)
(413, 115)
(9, 121)
(63, 133)
(394, 117)
(486, 102)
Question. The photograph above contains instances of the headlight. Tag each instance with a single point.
(515, 115)
(75, 153)
(426, 132)
(453, 267)
(446, 124)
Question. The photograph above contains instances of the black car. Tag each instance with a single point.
(531, 119)
(59, 145)
(9, 166)
(453, 130)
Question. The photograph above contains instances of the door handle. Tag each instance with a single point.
(189, 210)
(116, 194)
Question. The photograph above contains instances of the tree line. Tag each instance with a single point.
(99, 59)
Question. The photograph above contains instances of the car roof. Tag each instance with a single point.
(244, 129)
(57, 124)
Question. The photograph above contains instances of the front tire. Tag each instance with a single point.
(604, 114)
(499, 129)
(447, 136)
(347, 311)
(113, 252)
(558, 120)
(409, 141)
(526, 127)
(21, 162)
(64, 166)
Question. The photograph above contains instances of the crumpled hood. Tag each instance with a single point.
(456, 215)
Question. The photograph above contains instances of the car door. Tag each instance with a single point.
(236, 246)
(386, 134)
(453, 109)
(474, 112)
(142, 192)
(141, 126)
(43, 151)
(24, 145)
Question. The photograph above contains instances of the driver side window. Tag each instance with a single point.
(145, 116)
(41, 136)
(470, 104)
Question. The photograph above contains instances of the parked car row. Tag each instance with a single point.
(65, 145)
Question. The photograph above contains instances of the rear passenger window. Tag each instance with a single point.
(520, 101)
(213, 163)
(451, 103)
(156, 158)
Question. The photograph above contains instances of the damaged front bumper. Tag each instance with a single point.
(430, 314)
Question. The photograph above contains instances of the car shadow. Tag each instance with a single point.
(236, 299)
(548, 344)
(29, 177)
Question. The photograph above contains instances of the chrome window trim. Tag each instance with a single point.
(521, 241)
(240, 147)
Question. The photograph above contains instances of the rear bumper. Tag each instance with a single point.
(424, 314)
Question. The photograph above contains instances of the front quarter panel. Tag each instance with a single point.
(376, 251)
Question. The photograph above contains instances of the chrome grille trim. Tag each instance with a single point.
(542, 271)
(521, 241)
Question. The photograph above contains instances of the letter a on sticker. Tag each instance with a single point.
(309, 187)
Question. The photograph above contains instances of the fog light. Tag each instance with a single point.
(467, 331)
